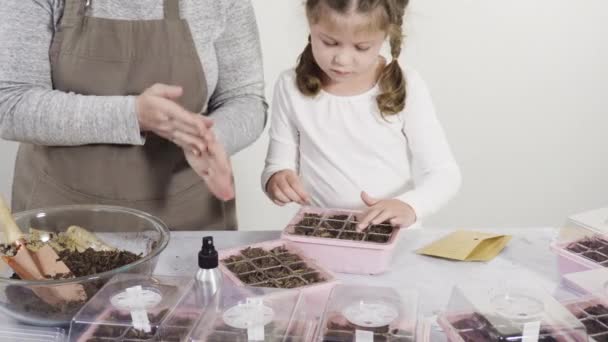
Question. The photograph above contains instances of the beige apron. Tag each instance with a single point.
(96, 56)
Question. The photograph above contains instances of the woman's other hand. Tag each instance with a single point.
(396, 212)
(158, 112)
(214, 167)
(285, 187)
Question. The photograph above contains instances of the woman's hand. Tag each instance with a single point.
(285, 187)
(157, 112)
(398, 213)
(213, 166)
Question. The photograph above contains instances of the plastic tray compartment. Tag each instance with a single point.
(254, 314)
(330, 237)
(580, 248)
(483, 314)
(362, 313)
(592, 312)
(170, 304)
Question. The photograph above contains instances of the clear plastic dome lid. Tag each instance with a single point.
(142, 307)
(596, 219)
(254, 314)
(364, 313)
(496, 313)
(593, 281)
(584, 240)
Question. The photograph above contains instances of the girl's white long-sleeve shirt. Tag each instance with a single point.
(341, 145)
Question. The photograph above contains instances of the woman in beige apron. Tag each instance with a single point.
(106, 57)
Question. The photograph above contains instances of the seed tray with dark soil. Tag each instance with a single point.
(474, 321)
(377, 238)
(339, 217)
(576, 248)
(338, 336)
(233, 259)
(266, 262)
(326, 233)
(592, 248)
(600, 337)
(139, 335)
(116, 331)
(594, 316)
(310, 220)
(109, 331)
(596, 310)
(341, 226)
(603, 250)
(337, 332)
(278, 272)
(312, 215)
(593, 326)
(288, 258)
(312, 278)
(279, 250)
(252, 253)
(277, 268)
(290, 282)
(276, 331)
(267, 283)
(241, 267)
(595, 256)
(332, 325)
(300, 268)
(475, 328)
(182, 321)
(351, 236)
(593, 243)
(350, 226)
(253, 277)
(174, 334)
(306, 231)
(331, 224)
(380, 229)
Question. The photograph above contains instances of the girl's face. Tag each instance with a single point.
(346, 47)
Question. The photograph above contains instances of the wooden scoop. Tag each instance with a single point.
(37, 265)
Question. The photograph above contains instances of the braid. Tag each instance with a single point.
(308, 73)
(392, 80)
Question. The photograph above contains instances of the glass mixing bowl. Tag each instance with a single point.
(123, 228)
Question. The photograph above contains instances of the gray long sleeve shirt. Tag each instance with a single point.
(227, 41)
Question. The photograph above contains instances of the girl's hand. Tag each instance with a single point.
(285, 187)
(214, 167)
(395, 211)
(158, 113)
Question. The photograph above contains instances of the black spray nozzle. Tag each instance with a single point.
(207, 257)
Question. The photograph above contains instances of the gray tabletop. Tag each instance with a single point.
(526, 260)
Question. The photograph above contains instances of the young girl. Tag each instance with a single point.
(351, 130)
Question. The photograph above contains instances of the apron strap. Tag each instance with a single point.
(73, 11)
(171, 9)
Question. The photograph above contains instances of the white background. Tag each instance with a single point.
(520, 87)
